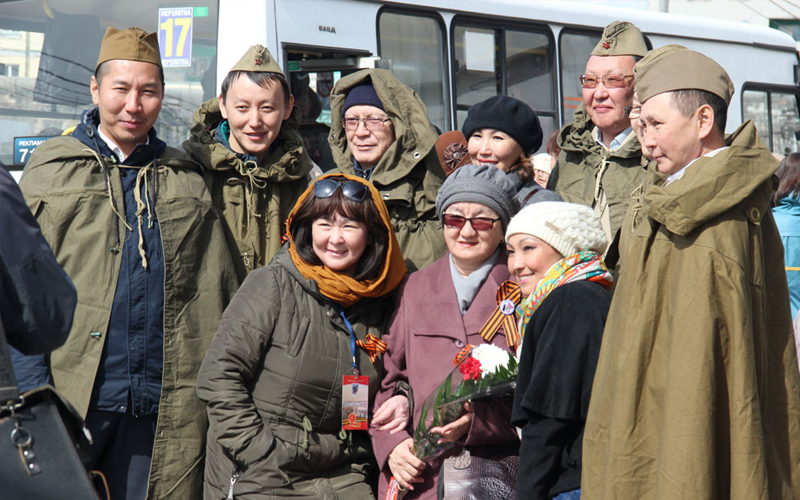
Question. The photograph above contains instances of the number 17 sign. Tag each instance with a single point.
(175, 36)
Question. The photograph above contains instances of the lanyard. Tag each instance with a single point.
(352, 337)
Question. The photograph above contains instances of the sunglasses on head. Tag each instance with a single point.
(478, 223)
(352, 190)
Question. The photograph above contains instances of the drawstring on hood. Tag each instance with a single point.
(90, 129)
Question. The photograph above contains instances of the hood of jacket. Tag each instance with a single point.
(415, 137)
(286, 162)
(577, 137)
(712, 185)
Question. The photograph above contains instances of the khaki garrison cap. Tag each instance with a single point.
(131, 44)
(257, 59)
(621, 38)
(682, 70)
(656, 55)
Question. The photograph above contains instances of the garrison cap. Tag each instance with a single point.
(130, 44)
(257, 59)
(621, 38)
(682, 70)
(656, 55)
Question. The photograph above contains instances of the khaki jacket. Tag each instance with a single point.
(582, 160)
(696, 393)
(409, 175)
(254, 199)
(272, 381)
(64, 186)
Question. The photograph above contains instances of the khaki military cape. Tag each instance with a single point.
(582, 160)
(65, 188)
(409, 174)
(254, 199)
(696, 393)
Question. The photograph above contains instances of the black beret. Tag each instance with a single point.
(508, 115)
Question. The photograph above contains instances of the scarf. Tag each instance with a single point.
(340, 287)
(577, 267)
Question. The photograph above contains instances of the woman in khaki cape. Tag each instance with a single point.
(256, 166)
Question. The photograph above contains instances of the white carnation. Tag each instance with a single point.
(491, 357)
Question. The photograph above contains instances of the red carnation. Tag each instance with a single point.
(471, 369)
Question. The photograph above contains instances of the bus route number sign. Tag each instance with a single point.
(175, 36)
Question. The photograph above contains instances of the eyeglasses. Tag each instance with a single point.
(372, 123)
(352, 190)
(633, 112)
(610, 81)
(478, 223)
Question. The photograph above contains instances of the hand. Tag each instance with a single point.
(453, 431)
(406, 467)
(392, 415)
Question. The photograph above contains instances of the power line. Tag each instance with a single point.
(776, 4)
(744, 2)
(796, 6)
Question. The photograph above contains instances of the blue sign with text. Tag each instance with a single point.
(24, 146)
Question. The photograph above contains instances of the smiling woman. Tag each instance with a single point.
(273, 376)
(440, 310)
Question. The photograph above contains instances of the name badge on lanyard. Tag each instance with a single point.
(355, 390)
(355, 401)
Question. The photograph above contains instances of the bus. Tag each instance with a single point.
(454, 54)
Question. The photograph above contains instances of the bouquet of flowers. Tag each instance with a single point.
(481, 372)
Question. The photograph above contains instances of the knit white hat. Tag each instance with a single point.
(568, 227)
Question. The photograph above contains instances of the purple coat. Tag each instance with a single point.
(425, 334)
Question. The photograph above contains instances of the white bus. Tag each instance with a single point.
(454, 54)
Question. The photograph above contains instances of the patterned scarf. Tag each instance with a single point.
(580, 266)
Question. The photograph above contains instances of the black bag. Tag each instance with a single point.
(467, 477)
(41, 436)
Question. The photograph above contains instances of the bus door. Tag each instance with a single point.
(313, 71)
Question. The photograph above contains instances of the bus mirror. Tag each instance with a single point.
(797, 74)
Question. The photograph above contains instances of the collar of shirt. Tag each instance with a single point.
(679, 174)
(618, 140)
(364, 173)
(113, 146)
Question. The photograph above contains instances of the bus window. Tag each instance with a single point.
(785, 122)
(529, 75)
(774, 112)
(755, 107)
(415, 45)
(476, 68)
(48, 53)
(504, 60)
(575, 49)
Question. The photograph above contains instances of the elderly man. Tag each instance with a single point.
(696, 393)
(385, 137)
(600, 163)
(132, 223)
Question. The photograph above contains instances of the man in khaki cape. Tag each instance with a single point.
(600, 163)
(696, 393)
(131, 222)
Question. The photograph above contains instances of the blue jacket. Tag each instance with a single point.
(37, 298)
(787, 218)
